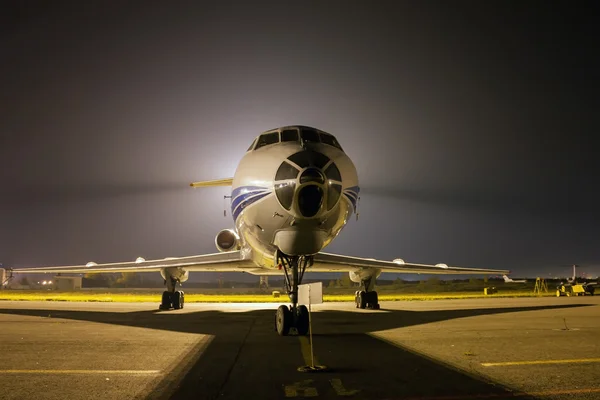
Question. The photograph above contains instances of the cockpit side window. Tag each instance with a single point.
(266, 139)
(310, 135)
(330, 140)
(289, 135)
(252, 145)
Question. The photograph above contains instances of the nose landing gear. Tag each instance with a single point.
(294, 316)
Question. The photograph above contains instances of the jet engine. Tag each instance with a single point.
(227, 240)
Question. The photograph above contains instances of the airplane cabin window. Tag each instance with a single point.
(330, 140)
(305, 159)
(289, 135)
(310, 135)
(252, 145)
(267, 139)
(333, 195)
(333, 173)
(285, 193)
(286, 171)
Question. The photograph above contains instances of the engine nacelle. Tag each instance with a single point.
(227, 240)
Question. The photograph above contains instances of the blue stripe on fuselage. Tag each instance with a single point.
(245, 196)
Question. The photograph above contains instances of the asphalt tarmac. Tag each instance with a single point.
(532, 348)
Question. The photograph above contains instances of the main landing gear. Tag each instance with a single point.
(171, 298)
(366, 298)
(294, 316)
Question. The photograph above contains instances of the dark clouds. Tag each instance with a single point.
(471, 124)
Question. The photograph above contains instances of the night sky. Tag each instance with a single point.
(472, 124)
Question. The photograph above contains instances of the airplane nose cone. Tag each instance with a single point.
(308, 183)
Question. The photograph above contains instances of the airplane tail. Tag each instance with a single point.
(506, 278)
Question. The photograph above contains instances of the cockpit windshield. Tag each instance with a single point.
(310, 135)
(295, 134)
(330, 140)
(266, 139)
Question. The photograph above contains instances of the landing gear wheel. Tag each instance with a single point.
(302, 320)
(283, 320)
(178, 300)
(362, 299)
(165, 303)
(373, 300)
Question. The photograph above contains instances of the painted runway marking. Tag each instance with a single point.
(541, 362)
(301, 389)
(340, 389)
(80, 371)
(545, 393)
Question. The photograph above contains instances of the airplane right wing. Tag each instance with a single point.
(326, 262)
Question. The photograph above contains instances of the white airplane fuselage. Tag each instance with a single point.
(293, 196)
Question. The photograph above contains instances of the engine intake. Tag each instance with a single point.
(227, 240)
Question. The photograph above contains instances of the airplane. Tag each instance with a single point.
(509, 280)
(292, 193)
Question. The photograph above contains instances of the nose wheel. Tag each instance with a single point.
(294, 316)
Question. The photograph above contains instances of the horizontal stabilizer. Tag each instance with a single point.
(216, 182)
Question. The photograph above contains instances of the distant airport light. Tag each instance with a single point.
(399, 261)
(43, 283)
(139, 260)
(91, 264)
(445, 266)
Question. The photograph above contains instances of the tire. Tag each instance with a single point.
(177, 300)
(362, 299)
(283, 320)
(181, 299)
(303, 322)
(165, 303)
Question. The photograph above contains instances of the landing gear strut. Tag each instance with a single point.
(294, 316)
(171, 298)
(367, 298)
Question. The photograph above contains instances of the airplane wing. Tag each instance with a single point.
(216, 182)
(326, 262)
(226, 261)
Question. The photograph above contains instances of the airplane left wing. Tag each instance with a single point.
(326, 262)
(226, 261)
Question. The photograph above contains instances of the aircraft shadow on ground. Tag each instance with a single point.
(381, 370)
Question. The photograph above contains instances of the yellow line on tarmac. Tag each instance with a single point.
(540, 362)
(510, 395)
(80, 371)
(305, 348)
